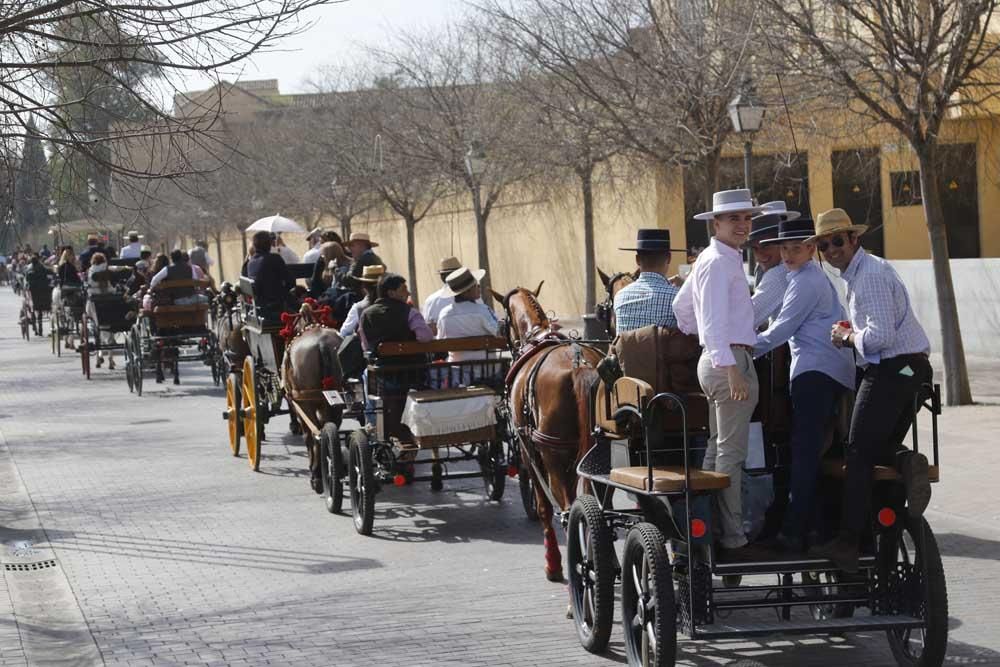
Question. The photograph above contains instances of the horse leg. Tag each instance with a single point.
(553, 558)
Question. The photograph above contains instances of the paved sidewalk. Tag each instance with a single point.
(173, 552)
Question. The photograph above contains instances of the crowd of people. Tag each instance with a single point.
(848, 330)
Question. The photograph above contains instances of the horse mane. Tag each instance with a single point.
(532, 301)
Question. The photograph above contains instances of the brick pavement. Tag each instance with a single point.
(178, 554)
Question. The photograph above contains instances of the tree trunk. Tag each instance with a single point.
(711, 166)
(345, 228)
(957, 391)
(218, 254)
(246, 248)
(411, 259)
(482, 245)
(586, 175)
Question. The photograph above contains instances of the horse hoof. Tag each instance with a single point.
(555, 576)
(569, 611)
(317, 484)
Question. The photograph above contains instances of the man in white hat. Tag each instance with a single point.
(315, 239)
(466, 316)
(360, 246)
(892, 348)
(714, 302)
(132, 248)
(439, 300)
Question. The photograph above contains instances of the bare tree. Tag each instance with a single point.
(906, 66)
(462, 122)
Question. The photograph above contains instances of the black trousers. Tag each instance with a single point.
(883, 413)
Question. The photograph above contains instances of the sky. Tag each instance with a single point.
(335, 33)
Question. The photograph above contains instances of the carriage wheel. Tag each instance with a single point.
(233, 412)
(493, 468)
(912, 548)
(591, 559)
(528, 498)
(649, 616)
(57, 334)
(129, 363)
(332, 462)
(361, 477)
(84, 347)
(137, 361)
(252, 425)
(822, 612)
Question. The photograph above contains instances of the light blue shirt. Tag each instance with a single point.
(883, 321)
(769, 294)
(808, 312)
(647, 301)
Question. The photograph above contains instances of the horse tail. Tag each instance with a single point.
(584, 381)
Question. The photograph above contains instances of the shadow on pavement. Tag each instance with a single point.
(966, 546)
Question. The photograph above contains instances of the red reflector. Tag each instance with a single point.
(512, 471)
(886, 517)
(698, 528)
(399, 480)
(159, 343)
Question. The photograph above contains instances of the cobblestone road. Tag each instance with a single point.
(172, 552)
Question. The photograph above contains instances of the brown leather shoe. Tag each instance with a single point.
(842, 550)
(914, 470)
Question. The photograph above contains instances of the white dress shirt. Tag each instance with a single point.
(464, 319)
(435, 303)
(131, 251)
(311, 255)
(287, 254)
(350, 325)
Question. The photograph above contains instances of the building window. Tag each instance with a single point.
(906, 188)
(857, 188)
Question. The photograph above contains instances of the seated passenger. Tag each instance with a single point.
(181, 269)
(272, 280)
(465, 318)
(820, 372)
(369, 278)
(98, 284)
(331, 258)
(38, 277)
(649, 300)
(437, 301)
(391, 319)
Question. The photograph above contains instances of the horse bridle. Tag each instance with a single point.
(507, 328)
(606, 307)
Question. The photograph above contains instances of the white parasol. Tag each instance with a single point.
(275, 224)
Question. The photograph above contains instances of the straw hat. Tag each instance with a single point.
(462, 280)
(371, 274)
(449, 264)
(362, 236)
(730, 201)
(833, 221)
(793, 230)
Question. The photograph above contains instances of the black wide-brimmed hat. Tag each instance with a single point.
(653, 240)
(793, 230)
(765, 227)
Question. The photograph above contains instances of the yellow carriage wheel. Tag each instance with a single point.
(233, 412)
(251, 431)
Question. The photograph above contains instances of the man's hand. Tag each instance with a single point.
(837, 333)
(739, 389)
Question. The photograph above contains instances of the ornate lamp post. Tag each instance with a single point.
(747, 116)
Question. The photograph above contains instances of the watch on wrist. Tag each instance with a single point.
(846, 340)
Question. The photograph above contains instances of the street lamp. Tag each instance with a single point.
(747, 115)
(475, 161)
(54, 213)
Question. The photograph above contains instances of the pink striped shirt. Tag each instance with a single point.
(715, 303)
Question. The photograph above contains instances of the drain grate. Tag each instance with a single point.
(29, 567)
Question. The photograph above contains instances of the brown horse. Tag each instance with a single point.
(550, 386)
(310, 366)
(612, 285)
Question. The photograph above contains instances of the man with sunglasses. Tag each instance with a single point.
(892, 348)
(714, 302)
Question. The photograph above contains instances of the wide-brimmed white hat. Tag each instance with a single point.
(462, 279)
(779, 208)
(730, 201)
(361, 236)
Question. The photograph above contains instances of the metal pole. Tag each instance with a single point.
(748, 183)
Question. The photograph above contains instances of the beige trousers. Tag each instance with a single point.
(729, 426)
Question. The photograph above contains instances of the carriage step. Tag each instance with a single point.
(803, 564)
(729, 629)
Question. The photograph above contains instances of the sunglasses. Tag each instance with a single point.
(837, 242)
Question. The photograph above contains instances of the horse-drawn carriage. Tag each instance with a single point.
(67, 317)
(35, 305)
(108, 315)
(672, 580)
(421, 409)
(175, 330)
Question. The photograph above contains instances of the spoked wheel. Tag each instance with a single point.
(528, 498)
(129, 362)
(361, 477)
(493, 469)
(252, 427)
(52, 332)
(649, 616)
(84, 347)
(822, 612)
(590, 556)
(137, 362)
(332, 462)
(906, 553)
(57, 334)
(233, 406)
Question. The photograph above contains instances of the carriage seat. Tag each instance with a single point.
(838, 468)
(669, 479)
(193, 316)
(630, 391)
